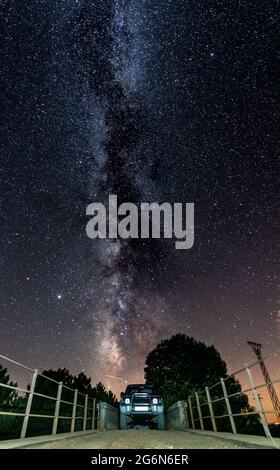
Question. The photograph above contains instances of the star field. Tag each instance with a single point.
(154, 101)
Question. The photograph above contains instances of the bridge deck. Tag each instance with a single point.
(140, 439)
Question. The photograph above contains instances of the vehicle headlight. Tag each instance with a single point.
(155, 401)
(127, 401)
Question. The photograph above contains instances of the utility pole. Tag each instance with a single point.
(257, 348)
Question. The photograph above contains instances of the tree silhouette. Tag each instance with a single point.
(180, 366)
(47, 385)
(80, 382)
(183, 361)
(7, 395)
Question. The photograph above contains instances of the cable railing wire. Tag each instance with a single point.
(197, 408)
(31, 393)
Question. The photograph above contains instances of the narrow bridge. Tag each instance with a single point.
(76, 421)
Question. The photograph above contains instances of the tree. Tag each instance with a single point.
(80, 382)
(185, 362)
(46, 406)
(180, 366)
(101, 394)
(7, 395)
(10, 402)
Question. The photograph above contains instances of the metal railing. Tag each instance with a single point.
(205, 408)
(202, 406)
(80, 401)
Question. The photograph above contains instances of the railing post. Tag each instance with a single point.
(57, 408)
(199, 412)
(228, 407)
(85, 413)
(93, 413)
(185, 408)
(211, 409)
(258, 404)
(73, 420)
(29, 404)
(191, 412)
(99, 417)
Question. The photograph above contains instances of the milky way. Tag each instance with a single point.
(126, 321)
(172, 101)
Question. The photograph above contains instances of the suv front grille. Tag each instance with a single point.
(141, 399)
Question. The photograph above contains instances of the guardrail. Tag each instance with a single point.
(109, 416)
(176, 416)
(204, 411)
(87, 415)
(203, 404)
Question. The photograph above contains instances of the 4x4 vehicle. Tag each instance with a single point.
(141, 404)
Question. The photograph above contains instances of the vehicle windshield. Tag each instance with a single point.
(131, 389)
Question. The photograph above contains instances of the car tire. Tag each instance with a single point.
(123, 422)
(161, 422)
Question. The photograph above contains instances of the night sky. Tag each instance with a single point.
(172, 100)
